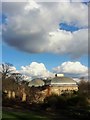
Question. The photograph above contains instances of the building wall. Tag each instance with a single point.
(60, 89)
(39, 94)
(55, 90)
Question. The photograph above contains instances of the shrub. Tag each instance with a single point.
(55, 101)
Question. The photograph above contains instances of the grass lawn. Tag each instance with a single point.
(22, 115)
(16, 114)
(65, 114)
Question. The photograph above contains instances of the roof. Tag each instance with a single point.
(36, 82)
(62, 81)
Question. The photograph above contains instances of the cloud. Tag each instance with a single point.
(39, 70)
(36, 70)
(12, 69)
(72, 68)
(30, 27)
(74, 44)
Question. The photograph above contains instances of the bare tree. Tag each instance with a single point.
(18, 77)
(6, 70)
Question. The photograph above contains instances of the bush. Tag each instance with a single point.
(55, 101)
(51, 101)
(62, 101)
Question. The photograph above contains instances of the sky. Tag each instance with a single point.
(44, 38)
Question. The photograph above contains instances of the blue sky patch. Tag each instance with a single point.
(72, 28)
(3, 19)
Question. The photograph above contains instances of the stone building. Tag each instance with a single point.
(57, 85)
(38, 89)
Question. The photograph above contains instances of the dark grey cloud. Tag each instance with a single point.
(33, 27)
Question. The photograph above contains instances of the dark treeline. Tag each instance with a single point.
(75, 104)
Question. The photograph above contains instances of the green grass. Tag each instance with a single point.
(21, 115)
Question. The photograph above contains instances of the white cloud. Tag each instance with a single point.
(31, 5)
(26, 78)
(30, 25)
(39, 70)
(12, 69)
(74, 44)
(36, 70)
(75, 68)
(46, 0)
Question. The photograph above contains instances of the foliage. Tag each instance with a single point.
(55, 101)
(6, 70)
(66, 100)
(84, 88)
(9, 84)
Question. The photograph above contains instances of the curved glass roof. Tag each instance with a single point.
(59, 81)
(62, 80)
(36, 83)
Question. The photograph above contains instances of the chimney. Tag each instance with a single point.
(59, 75)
